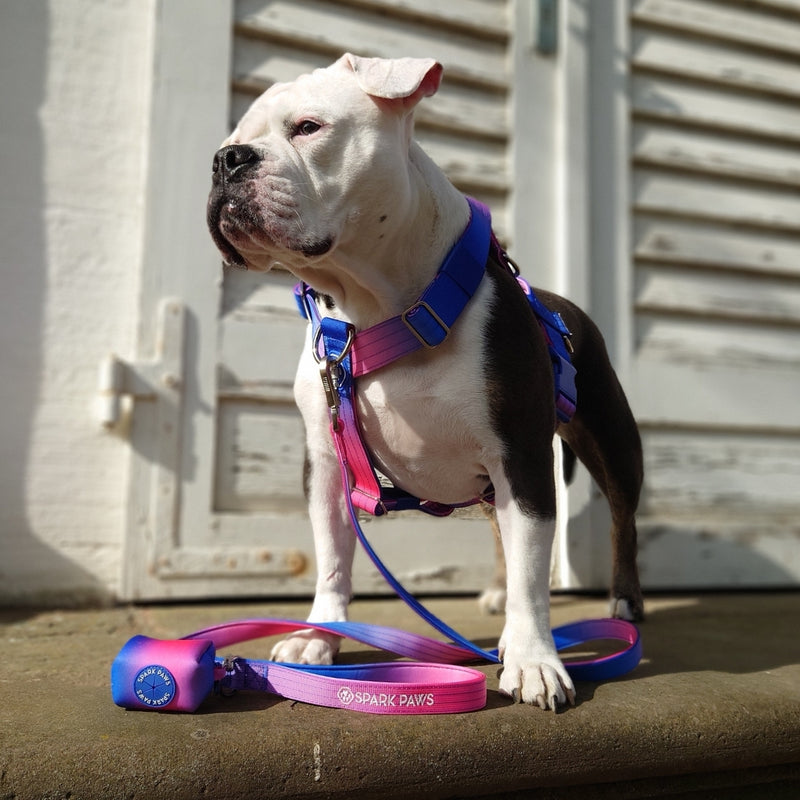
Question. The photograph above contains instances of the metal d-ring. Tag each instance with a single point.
(334, 360)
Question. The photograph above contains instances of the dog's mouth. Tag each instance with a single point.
(220, 215)
(230, 255)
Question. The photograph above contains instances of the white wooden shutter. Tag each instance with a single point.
(715, 373)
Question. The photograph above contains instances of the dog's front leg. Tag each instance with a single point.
(334, 546)
(532, 670)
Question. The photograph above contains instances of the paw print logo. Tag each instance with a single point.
(345, 695)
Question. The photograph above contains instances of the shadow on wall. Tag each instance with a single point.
(24, 560)
(685, 554)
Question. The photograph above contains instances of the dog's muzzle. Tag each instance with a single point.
(230, 166)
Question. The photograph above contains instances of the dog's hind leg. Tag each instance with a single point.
(493, 597)
(604, 436)
(619, 477)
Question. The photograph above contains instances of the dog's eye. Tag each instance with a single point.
(306, 127)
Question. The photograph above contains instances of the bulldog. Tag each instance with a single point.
(322, 176)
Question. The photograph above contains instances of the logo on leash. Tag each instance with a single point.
(154, 686)
(345, 695)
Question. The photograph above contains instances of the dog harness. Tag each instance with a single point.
(177, 675)
(344, 354)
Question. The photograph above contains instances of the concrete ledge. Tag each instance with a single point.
(713, 709)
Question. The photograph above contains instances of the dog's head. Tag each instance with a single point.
(318, 161)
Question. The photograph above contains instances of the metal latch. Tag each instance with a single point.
(144, 380)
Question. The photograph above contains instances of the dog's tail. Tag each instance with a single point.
(568, 462)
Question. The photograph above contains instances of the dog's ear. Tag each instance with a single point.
(404, 79)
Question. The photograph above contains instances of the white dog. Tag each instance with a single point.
(322, 176)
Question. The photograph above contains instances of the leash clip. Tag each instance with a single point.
(330, 372)
(229, 665)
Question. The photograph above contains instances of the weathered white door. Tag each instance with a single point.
(216, 497)
(642, 158)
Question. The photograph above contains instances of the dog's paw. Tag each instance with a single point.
(492, 600)
(538, 679)
(307, 647)
(626, 608)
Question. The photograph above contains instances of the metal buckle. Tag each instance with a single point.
(331, 372)
(421, 304)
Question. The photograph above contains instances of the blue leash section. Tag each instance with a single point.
(570, 635)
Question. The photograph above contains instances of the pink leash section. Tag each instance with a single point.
(177, 675)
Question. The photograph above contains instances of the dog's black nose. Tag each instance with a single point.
(233, 160)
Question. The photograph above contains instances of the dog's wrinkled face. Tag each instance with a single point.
(307, 159)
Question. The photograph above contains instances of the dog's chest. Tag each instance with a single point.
(426, 419)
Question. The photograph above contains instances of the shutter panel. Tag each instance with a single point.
(715, 124)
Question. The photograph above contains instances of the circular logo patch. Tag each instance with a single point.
(154, 686)
(346, 695)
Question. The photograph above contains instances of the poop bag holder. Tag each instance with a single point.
(157, 674)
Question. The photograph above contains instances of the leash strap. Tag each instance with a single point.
(598, 669)
(177, 675)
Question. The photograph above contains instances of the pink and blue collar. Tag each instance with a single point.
(428, 321)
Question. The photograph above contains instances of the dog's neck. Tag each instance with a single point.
(378, 275)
